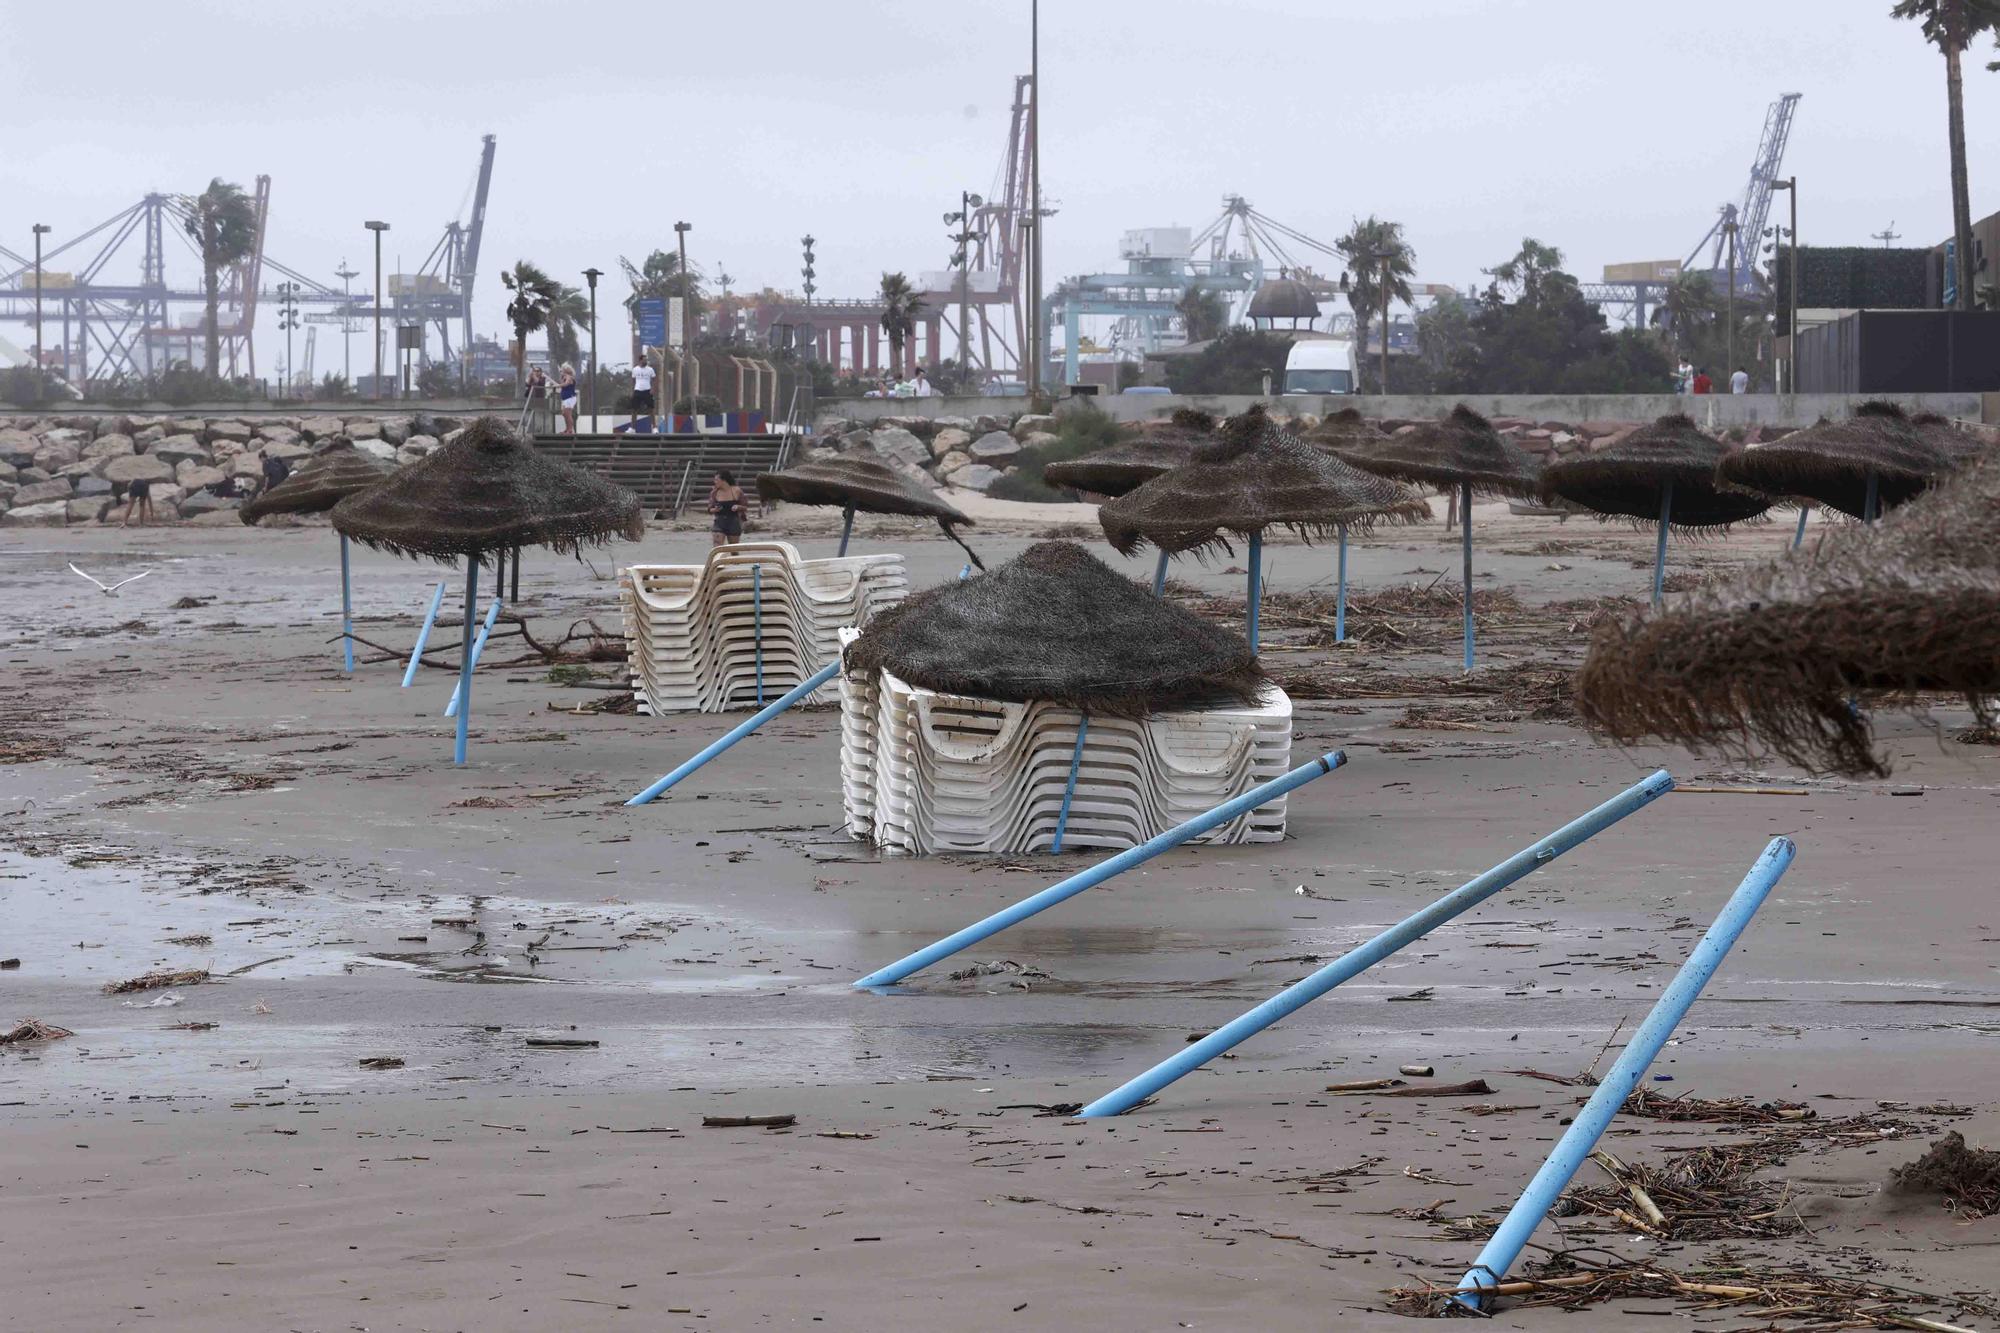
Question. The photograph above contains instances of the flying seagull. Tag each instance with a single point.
(111, 591)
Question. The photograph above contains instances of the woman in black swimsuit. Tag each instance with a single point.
(725, 501)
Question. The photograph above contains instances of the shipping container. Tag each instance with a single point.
(1902, 351)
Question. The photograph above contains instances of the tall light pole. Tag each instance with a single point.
(288, 319)
(378, 228)
(591, 275)
(1790, 186)
(1729, 311)
(681, 230)
(1036, 351)
(812, 334)
(346, 274)
(962, 259)
(41, 230)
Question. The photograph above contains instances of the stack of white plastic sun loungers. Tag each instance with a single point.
(923, 772)
(748, 625)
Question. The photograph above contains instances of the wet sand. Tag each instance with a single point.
(210, 772)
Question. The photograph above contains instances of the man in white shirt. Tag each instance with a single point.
(642, 387)
(923, 387)
(1683, 376)
(1740, 381)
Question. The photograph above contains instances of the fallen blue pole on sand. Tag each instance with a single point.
(771, 710)
(346, 611)
(1103, 870)
(478, 650)
(423, 636)
(1507, 1242)
(1359, 960)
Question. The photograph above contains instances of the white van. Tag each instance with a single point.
(1321, 365)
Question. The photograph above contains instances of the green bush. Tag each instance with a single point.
(1079, 430)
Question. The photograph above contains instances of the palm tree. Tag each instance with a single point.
(1363, 248)
(900, 307)
(1203, 312)
(661, 277)
(1951, 26)
(1529, 269)
(222, 221)
(1687, 305)
(534, 294)
(569, 311)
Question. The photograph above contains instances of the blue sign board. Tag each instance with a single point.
(653, 321)
(1951, 273)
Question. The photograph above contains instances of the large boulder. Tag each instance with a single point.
(113, 425)
(381, 449)
(238, 431)
(975, 476)
(109, 446)
(949, 439)
(952, 462)
(996, 446)
(1040, 439)
(395, 432)
(900, 445)
(137, 467)
(1031, 422)
(178, 449)
(188, 426)
(52, 514)
(18, 448)
(290, 451)
(417, 446)
(364, 429)
(147, 436)
(88, 510)
(7, 489)
(55, 455)
(247, 464)
(7, 471)
(28, 476)
(192, 476)
(93, 486)
(43, 492)
(221, 451)
(272, 434)
(321, 428)
(955, 423)
(205, 502)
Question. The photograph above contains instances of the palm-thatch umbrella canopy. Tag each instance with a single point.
(315, 488)
(1662, 473)
(862, 485)
(487, 492)
(320, 483)
(1772, 660)
(1345, 429)
(1874, 460)
(1254, 475)
(1959, 446)
(1461, 452)
(1153, 449)
(1055, 624)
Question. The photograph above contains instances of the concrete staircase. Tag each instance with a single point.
(670, 473)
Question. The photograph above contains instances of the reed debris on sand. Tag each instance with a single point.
(33, 1029)
(193, 976)
(1968, 1178)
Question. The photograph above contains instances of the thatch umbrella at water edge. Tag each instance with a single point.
(865, 486)
(1663, 473)
(319, 484)
(487, 492)
(1774, 660)
(1254, 476)
(1461, 452)
(1153, 450)
(1874, 460)
(1347, 429)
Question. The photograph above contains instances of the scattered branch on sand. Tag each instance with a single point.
(380, 1062)
(1968, 1178)
(749, 1121)
(193, 976)
(1728, 1111)
(33, 1029)
(564, 1043)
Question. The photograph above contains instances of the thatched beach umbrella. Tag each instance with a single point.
(1663, 473)
(1874, 460)
(1255, 475)
(1960, 447)
(1346, 429)
(319, 485)
(1774, 659)
(1140, 456)
(862, 485)
(1055, 624)
(487, 492)
(1461, 452)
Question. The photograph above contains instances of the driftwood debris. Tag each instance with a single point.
(33, 1029)
(193, 976)
(749, 1121)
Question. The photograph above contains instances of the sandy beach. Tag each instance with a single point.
(188, 780)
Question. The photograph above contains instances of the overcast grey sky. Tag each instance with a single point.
(1612, 130)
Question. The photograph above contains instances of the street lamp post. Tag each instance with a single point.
(591, 275)
(1729, 356)
(346, 275)
(41, 230)
(378, 228)
(962, 259)
(812, 334)
(1790, 186)
(681, 230)
(288, 320)
(1036, 350)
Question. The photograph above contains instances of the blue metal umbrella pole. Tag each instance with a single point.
(1800, 535)
(1160, 576)
(423, 636)
(346, 611)
(1103, 870)
(478, 649)
(1871, 505)
(1340, 597)
(770, 710)
(1660, 549)
(1256, 584)
(1490, 1269)
(1356, 961)
(1465, 534)
(464, 695)
(1069, 790)
(757, 624)
(846, 529)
